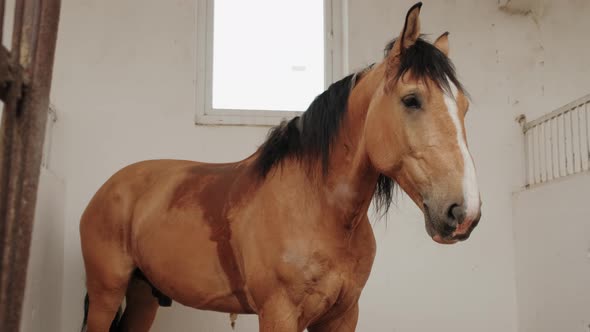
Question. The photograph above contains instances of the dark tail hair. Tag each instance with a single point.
(114, 324)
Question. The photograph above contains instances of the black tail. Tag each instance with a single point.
(86, 305)
(114, 324)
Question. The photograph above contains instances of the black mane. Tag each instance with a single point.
(309, 137)
(424, 60)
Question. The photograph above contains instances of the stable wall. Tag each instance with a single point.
(555, 70)
(125, 85)
(41, 307)
(552, 236)
(551, 221)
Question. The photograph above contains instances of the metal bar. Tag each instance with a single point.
(572, 115)
(559, 120)
(8, 125)
(527, 181)
(537, 173)
(2, 6)
(544, 147)
(6, 73)
(36, 34)
(549, 143)
(587, 110)
(554, 154)
(19, 10)
(521, 119)
(534, 152)
(581, 136)
(565, 145)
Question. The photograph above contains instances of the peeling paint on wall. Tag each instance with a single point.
(532, 8)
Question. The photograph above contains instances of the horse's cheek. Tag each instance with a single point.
(382, 143)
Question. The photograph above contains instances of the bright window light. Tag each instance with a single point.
(267, 54)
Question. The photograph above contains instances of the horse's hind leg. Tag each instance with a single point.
(141, 307)
(104, 302)
(108, 271)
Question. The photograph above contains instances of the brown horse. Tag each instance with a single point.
(284, 234)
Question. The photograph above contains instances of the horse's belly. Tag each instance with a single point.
(179, 258)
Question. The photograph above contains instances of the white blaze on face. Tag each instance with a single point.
(470, 189)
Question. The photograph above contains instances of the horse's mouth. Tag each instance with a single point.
(445, 239)
(450, 239)
(439, 239)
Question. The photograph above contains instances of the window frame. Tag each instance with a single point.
(207, 115)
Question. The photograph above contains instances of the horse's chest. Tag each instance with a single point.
(322, 282)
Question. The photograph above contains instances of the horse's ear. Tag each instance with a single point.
(410, 32)
(442, 43)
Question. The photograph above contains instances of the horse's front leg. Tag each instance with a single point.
(343, 323)
(277, 325)
(279, 315)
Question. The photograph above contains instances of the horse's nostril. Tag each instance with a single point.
(452, 211)
(448, 229)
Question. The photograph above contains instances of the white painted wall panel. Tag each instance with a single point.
(41, 308)
(552, 255)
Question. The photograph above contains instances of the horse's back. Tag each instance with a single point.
(126, 186)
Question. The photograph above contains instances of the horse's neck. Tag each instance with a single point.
(351, 180)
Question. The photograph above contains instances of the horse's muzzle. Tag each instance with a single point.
(450, 225)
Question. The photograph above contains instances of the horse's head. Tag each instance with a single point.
(415, 133)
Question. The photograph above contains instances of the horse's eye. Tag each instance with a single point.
(411, 102)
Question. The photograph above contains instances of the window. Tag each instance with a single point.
(261, 61)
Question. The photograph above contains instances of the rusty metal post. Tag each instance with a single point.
(21, 144)
(2, 6)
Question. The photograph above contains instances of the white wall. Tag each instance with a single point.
(556, 70)
(552, 236)
(41, 307)
(125, 80)
(551, 228)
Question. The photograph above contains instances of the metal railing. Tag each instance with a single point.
(25, 83)
(557, 144)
